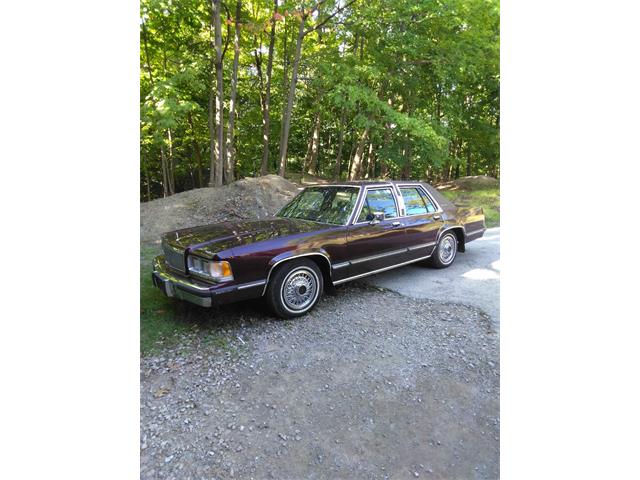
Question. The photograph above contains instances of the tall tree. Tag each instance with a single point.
(266, 104)
(302, 14)
(230, 150)
(216, 178)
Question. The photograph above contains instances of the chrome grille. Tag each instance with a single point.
(174, 257)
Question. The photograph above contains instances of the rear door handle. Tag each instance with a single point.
(437, 217)
(396, 224)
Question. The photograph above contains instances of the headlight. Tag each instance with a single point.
(217, 271)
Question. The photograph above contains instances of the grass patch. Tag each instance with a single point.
(488, 199)
(164, 321)
(160, 322)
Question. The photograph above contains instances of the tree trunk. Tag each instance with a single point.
(212, 137)
(314, 144)
(351, 153)
(406, 153)
(231, 147)
(196, 149)
(147, 181)
(165, 176)
(371, 162)
(356, 166)
(211, 114)
(336, 171)
(162, 159)
(384, 167)
(218, 143)
(468, 160)
(266, 116)
(170, 166)
(285, 58)
(286, 117)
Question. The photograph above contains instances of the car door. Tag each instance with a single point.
(378, 244)
(422, 221)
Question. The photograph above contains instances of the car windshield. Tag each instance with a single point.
(331, 205)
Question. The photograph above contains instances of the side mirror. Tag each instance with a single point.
(375, 217)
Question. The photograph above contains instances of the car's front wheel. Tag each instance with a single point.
(294, 288)
(445, 252)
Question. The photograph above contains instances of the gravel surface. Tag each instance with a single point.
(370, 384)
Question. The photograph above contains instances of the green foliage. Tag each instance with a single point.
(487, 198)
(421, 75)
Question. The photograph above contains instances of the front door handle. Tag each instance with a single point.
(396, 224)
(437, 217)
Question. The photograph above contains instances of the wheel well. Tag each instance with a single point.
(459, 237)
(318, 259)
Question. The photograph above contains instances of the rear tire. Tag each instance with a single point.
(295, 288)
(445, 253)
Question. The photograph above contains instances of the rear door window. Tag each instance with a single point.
(416, 201)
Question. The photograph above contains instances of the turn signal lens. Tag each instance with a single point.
(221, 271)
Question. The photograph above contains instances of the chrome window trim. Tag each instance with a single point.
(360, 205)
(359, 187)
(266, 282)
(338, 282)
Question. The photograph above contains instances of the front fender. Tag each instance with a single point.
(299, 253)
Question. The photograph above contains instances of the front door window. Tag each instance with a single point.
(378, 200)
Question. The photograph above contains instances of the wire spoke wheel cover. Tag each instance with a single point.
(300, 289)
(447, 249)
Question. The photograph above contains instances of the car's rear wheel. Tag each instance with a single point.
(294, 288)
(445, 252)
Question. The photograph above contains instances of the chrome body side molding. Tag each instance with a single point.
(375, 257)
(473, 232)
(252, 284)
(336, 266)
(381, 270)
(424, 245)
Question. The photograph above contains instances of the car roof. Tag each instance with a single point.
(367, 183)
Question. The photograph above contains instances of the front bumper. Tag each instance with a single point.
(173, 284)
(176, 285)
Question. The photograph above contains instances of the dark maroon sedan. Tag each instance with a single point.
(325, 236)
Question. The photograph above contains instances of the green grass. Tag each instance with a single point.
(160, 322)
(163, 321)
(488, 199)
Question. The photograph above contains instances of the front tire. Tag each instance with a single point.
(294, 288)
(445, 253)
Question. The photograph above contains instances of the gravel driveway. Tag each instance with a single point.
(370, 384)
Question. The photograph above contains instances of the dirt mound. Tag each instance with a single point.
(249, 198)
(476, 182)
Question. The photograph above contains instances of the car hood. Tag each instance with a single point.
(210, 239)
